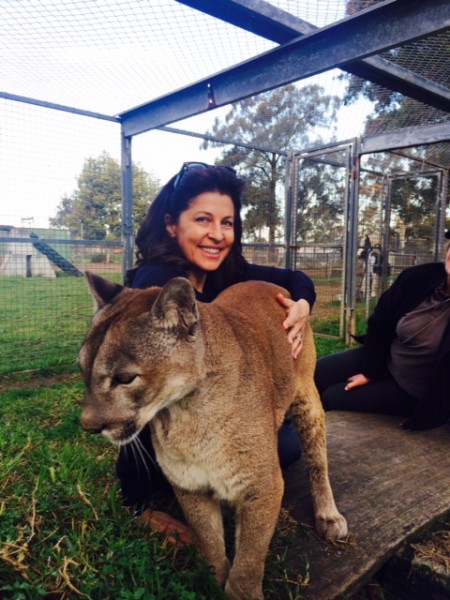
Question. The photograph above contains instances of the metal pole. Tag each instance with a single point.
(441, 197)
(127, 205)
(291, 190)
(348, 325)
(386, 235)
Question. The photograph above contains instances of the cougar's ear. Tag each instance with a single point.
(102, 290)
(176, 307)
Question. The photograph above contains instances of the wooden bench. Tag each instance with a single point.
(388, 482)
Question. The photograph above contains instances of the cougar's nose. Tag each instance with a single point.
(90, 421)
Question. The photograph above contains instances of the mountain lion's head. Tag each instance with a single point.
(143, 352)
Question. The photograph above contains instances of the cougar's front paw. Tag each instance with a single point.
(332, 527)
(235, 591)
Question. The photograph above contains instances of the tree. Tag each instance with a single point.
(321, 201)
(93, 211)
(413, 203)
(284, 119)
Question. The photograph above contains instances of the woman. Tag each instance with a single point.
(193, 229)
(403, 367)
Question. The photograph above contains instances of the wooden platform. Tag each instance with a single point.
(388, 482)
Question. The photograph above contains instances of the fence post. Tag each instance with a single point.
(441, 198)
(348, 317)
(127, 204)
(290, 211)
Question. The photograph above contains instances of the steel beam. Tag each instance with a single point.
(406, 138)
(366, 33)
(213, 138)
(61, 107)
(265, 20)
(257, 16)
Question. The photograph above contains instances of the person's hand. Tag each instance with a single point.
(356, 381)
(295, 322)
(175, 531)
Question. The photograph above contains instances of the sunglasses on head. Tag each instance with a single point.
(196, 166)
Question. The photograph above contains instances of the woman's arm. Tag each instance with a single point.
(298, 283)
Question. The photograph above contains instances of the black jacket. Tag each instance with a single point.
(410, 288)
(298, 283)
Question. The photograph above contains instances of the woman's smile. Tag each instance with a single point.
(210, 250)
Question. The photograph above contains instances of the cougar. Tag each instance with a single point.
(214, 383)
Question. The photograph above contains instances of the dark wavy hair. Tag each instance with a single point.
(155, 246)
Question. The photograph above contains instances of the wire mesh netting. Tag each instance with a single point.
(45, 304)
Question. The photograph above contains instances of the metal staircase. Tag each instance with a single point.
(54, 256)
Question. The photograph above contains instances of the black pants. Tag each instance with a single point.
(143, 483)
(382, 396)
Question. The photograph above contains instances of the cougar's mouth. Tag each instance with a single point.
(123, 435)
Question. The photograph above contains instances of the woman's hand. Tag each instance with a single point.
(295, 322)
(356, 381)
(175, 531)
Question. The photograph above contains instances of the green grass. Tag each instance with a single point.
(42, 322)
(326, 346)
(63, 531)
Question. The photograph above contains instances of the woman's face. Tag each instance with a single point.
(205, 231)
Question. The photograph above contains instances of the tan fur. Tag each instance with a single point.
(215, 382)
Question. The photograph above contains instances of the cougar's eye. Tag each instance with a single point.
(123, 378)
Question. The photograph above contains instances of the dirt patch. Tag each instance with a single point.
(31, 380)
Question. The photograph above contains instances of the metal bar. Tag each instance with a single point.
(265, 20)
(57, 242)
(441, 196)
(422, 161)
(290, 208)
(62, 107)
(416, 175)
(348, 302)
(213, 138)
(406, 138)
(127, 204)
(386, 235)
(371, 31)
(394, 77)
(256, 16)
(443, 204)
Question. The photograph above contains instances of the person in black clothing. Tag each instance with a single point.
(403, 366)
(193, 229)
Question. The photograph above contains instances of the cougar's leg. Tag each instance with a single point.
(204, 516)
(309, 419)
(256, 518)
